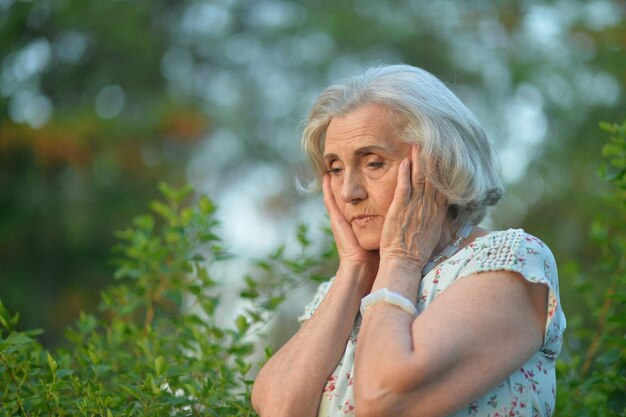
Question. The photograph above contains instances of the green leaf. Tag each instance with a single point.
(198, 258)
(162, 210)
(278, 253)
(203, 276)
(251, 288)
(608, 127)
(182, 193)
(175, 195)
(303, 230)
(269, 351)
(250, 282)
(242, 324)
(167, 191)
(273, 303)
(318, 278)
(209, 305)
(51, 363)
(145, 222)
(14, 342)
(256, 317)
(264, 265)
(195, 289)
(217, 333)
(132, 391)
(6, 320)
(206, 206)
(160, 366)
(241, 349)
(248, 293)
(612, 149)
(243, 366)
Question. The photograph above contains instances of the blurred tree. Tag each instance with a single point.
(87, 129)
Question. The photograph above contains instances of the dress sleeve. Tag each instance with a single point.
(321, 292)
(517, 251)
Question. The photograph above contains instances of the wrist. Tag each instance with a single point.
(402, 260)
(360, 275)
(398, 275)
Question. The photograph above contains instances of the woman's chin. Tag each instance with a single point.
(369, 242)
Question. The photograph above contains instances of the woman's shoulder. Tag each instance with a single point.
(507, 245)
(517, 251)
(514, 250)
(508, 237)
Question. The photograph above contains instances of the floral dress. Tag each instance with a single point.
(529, 391)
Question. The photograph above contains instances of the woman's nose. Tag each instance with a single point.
(352, 189)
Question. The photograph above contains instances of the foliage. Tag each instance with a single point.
(592, 380)
(86, 122)
(156, 346)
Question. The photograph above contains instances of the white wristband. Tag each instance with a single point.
(387, 296)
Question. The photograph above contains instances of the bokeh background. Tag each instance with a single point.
(101, 100)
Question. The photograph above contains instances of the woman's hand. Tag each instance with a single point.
(415, 218)
(350, 251)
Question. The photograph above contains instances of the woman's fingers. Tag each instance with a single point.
(418, 178)
(417, 174)
(329, 199)
(344, 236)
(402, 194)
(337, 219)
(422, 186)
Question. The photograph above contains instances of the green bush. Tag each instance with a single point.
(592, 371)
(155, 346)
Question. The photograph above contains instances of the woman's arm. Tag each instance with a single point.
(473, 335)
(291, 382)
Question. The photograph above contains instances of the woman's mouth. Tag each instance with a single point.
(362, 221)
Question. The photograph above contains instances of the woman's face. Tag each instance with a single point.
(362, 153)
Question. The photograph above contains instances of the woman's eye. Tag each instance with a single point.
(376, 164)
(334, 170)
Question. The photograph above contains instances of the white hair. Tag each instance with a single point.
(459, 159)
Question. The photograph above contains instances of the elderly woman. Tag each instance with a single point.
(428, 313)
